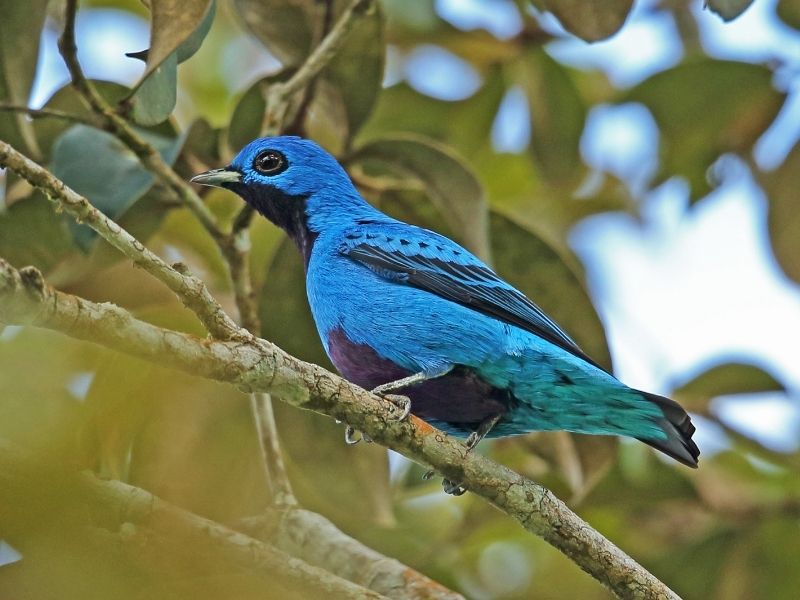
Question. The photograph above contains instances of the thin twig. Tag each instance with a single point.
(269, 442)
(279, 94)
(260, 366)
(39, 113)
(191, 290)
(123, 130)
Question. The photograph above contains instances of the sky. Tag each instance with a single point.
(686, 289)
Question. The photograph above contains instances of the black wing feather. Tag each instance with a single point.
(471, 285)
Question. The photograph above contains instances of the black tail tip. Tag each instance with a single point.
(679, 429)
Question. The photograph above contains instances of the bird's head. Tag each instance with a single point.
(291, 181)
(278, 166)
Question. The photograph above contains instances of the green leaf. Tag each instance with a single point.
(789, 12)
(356, 71)
(155, 97)
(464, 125)
(725, 379)
(557, 117)
(283, 308)
(249, 112)
(98, 166)
(781, 186)
(283, 27)
(66, 99)
(728, 10)
(446, 179)
(542, 274)
(705, 108)
(31, 233)
(192, 44)
(591, 20)
(203, 142)
(174, 22)
(326, 118)
(20, 28)
(774, 568)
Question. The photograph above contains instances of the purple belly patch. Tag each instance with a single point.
(461, 396)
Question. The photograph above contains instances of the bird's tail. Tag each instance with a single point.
(679, 429)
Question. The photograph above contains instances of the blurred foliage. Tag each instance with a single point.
(725, 531)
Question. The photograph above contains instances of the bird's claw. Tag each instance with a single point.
(454, 489)
(401, 402)
(350, 436)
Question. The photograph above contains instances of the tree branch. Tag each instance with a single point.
(233, 247)
(314, 539)
(39, 113)
(279, 94)
(143, 524)
(258, 365)
(191, 290)
(117, 125)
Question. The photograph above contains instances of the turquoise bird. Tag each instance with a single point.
(404, 309)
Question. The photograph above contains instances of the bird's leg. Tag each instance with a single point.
(483, 429)
(457, 489)
(403, 402)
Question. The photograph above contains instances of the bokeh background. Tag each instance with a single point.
(642, 189)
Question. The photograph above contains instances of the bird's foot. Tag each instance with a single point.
(350, 436)
(454, 489)
(403, 403)
(484, 428)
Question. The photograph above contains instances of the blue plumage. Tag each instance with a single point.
(393, 301)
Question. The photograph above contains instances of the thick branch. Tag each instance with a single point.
(312, 538)
(261, 366)
(144, 524)
(191, 290)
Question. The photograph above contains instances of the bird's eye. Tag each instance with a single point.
(270, 162)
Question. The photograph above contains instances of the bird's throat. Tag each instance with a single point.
(286, 211)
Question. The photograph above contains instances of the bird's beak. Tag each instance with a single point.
(217, 177)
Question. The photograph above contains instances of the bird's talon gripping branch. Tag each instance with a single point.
(401, 402)
(350, 436)
(454, 489)
(483, 429)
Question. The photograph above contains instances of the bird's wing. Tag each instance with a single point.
(430, 262)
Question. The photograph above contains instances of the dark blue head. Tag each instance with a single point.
(294, 183)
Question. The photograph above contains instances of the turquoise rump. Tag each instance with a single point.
(404, 309)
